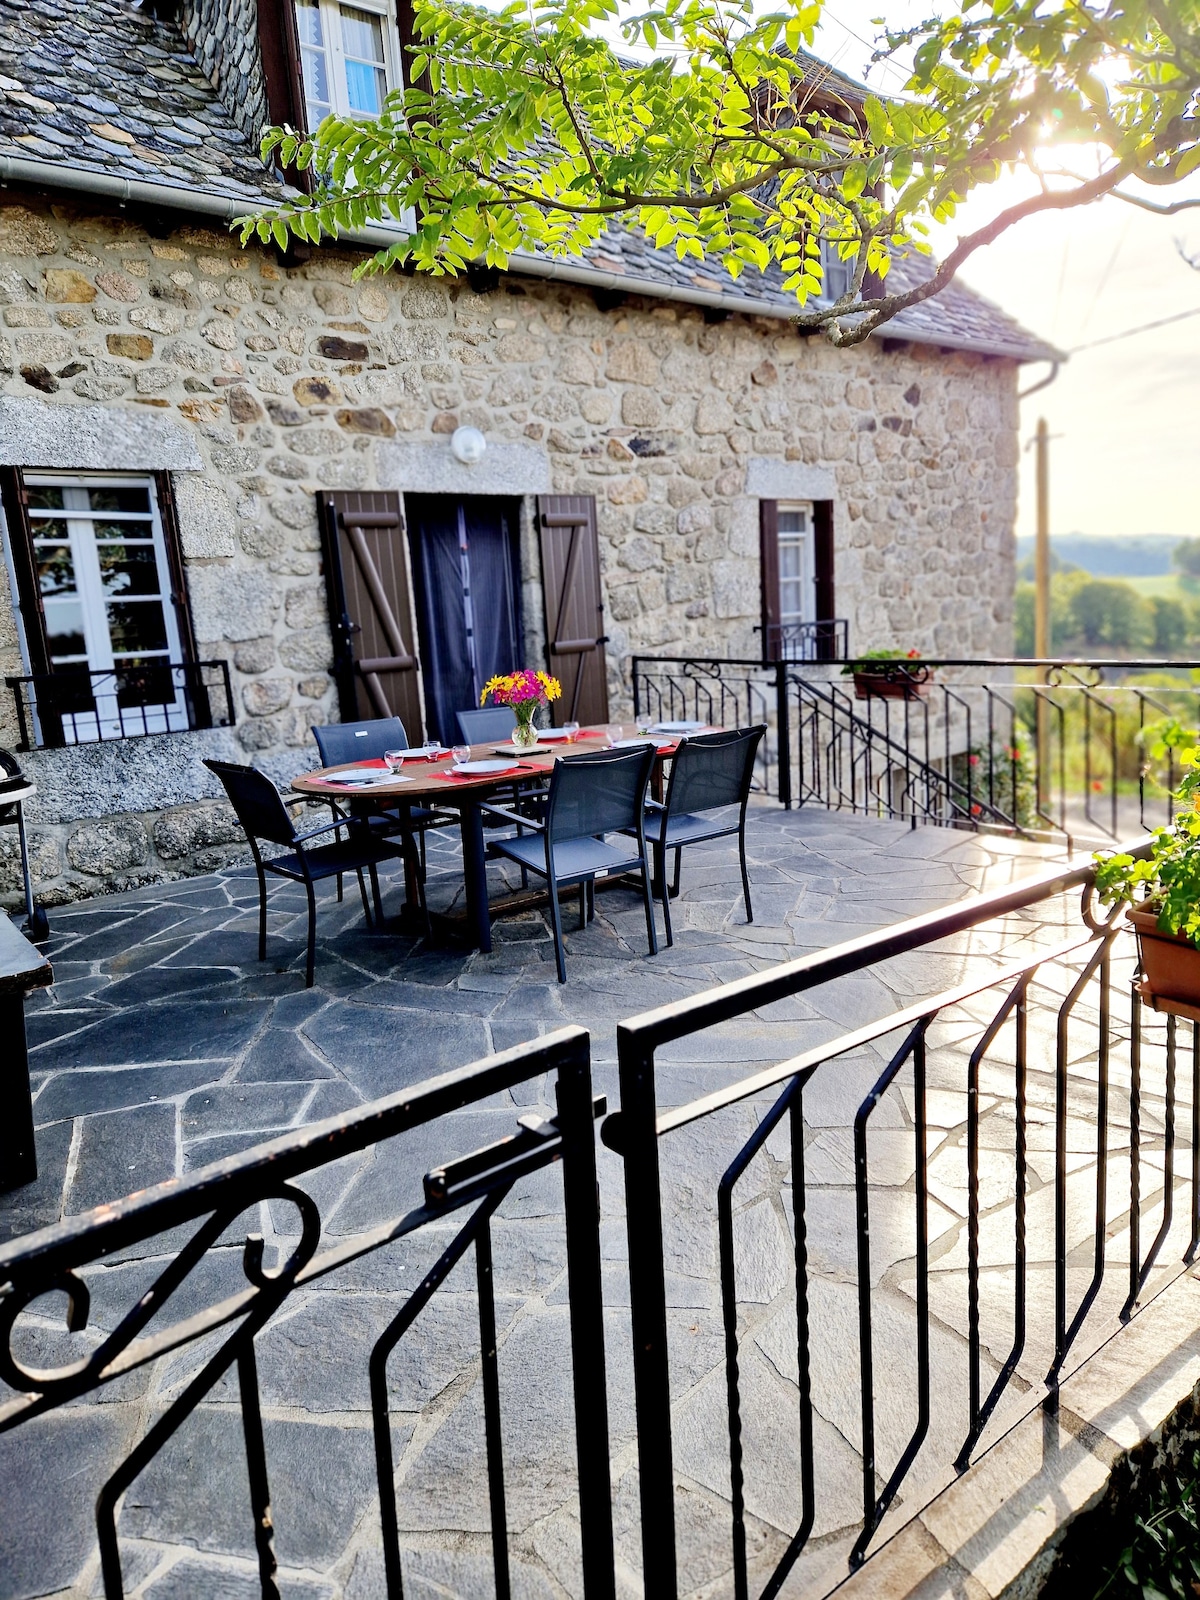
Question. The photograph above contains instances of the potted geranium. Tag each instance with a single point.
(888, 675)
(1162, 889)
(524, 691)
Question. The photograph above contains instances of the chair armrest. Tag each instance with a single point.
(326, 827)
(654, 805)
(506, 815)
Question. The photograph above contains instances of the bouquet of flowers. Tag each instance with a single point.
(524, 691)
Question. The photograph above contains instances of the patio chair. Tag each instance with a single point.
(482, 724)
(710, 772)
(260, 810)
(591, 795)
(341, 742)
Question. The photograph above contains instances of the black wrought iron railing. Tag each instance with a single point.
(914, 1231)
(1043, 748)
(78, 705)
(1069, 1091)
(808, 641)
(212, 1209)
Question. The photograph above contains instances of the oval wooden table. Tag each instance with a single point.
(427, 783)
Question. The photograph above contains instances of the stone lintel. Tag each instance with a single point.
(516, 469)
(74, 438)
(771, 479)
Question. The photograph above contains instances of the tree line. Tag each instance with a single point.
(1089, 614)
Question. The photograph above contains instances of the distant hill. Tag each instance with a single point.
(1137, 555)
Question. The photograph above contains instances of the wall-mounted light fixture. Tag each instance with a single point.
(467, 445)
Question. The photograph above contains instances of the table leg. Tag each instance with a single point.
(18, 1158)
(475, 872)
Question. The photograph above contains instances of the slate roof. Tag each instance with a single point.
(100, 86)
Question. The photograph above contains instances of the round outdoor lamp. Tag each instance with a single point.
(467, 445)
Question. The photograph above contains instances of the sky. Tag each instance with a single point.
(1124, 417)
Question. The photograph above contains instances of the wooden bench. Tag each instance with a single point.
(22, 967)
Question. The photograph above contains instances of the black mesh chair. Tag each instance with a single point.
(591, 795)
(263, 815)
(710, 772)
(482, 724)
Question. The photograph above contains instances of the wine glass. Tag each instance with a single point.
(431, 749)
(394, 759)
(461, 754)
(613, 734)
(571, 729)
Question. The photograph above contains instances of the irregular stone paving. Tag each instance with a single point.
(165, 1045)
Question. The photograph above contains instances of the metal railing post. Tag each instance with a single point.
(636, 1140)
(582, 1203)
(784, 735)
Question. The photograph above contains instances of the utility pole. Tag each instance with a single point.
(1041, 559)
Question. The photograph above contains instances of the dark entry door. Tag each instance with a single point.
(466, 573)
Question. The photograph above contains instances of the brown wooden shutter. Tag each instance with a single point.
(575, 635)
(279, 46)
(28, 596)
(768, 535)
(823, 585)
(370, 608)
(165, 494)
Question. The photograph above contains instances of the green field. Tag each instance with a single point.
(1168, 585)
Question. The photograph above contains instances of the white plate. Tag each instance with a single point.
(623, 744)
(479, 769)
(678, 727)
(550, 735)
(361, 775)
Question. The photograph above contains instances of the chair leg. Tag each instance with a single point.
(556, 929)
(262, 912)
(651, 930)
(375, 895)
(678, 859)
(310, 965)
(362, 889)
(583, 916)
(745, 874)
(591, 899)
(660, 874)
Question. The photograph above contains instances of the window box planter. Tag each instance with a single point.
(1170, 965)
(896, 681)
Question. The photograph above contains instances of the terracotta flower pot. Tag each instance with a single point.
(898, 683)
(1170, 962)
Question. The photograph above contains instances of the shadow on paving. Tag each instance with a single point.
(165, 1045)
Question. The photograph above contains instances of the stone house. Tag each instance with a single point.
(233, 502)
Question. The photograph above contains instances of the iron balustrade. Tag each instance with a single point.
(1036, 748)
(727, 693)
(960, 1027)
(56, 1259)
(808, 641)
(1043, 1029)
(81, 705)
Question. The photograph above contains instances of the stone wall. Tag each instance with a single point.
(223, 35)
(259, 385)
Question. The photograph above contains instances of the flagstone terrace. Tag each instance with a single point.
(164, 1046)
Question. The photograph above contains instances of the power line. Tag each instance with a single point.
(1146, 327)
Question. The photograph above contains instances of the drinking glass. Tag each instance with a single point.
(394, 759)
(571, 729)
(461, 754)
(431, 749)
(612, 733)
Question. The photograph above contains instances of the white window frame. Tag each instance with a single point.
(831, 262)
(108, 721)
(335, 57)
(804, 541)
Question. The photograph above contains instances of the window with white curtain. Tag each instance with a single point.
(349, 56)
(797, 570)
